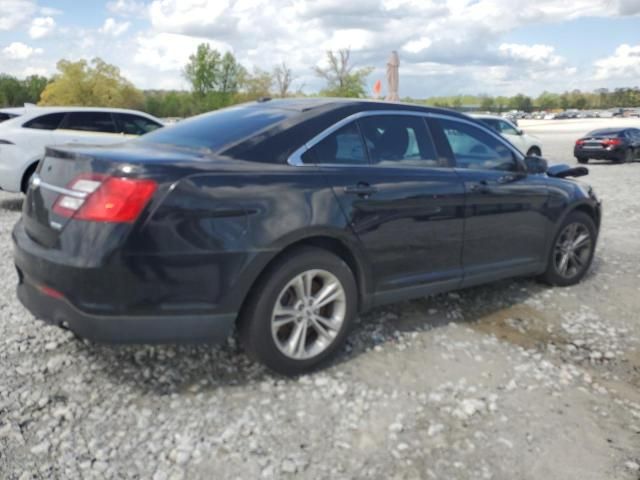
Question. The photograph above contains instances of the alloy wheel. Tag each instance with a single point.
(572, 250)
(308, 314)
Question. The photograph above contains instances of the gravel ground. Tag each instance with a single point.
(509, 380)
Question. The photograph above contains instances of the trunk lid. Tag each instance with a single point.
(60, 168)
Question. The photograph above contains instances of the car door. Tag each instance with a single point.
(506, 225)
(89, 127)
(404, 205)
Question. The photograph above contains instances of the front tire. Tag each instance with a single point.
(534, 152)
(572, 251)
(300, 312)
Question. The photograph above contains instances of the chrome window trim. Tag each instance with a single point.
(295, 159)
(38, 183)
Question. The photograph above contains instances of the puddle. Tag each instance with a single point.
(520, 325)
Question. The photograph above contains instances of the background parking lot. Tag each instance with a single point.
(510, 380)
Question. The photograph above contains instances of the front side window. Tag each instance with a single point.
(476, 149)
(507, 129)
(342, 147)
(90, 122)
(50, 121)
(130, 124)
(394, 140)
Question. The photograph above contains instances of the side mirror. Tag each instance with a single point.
(519, 131)
(536, 164)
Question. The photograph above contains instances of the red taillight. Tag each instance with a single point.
(611, 142)
(579, 142)
(108, 199)
(51, 292)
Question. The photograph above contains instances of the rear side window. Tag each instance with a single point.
(396, 140)
(130, 124)
(90, 122)
(217, 129)
(6, 116)
(342, 147)
(476, 149)
(50, 121)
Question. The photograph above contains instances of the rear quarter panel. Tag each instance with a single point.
(217, 231)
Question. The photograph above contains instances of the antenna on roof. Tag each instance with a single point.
(263, 99)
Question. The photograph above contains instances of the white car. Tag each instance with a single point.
(527, 144)
(24, 136)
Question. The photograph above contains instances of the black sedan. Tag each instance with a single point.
(616, 144)
(284, 219)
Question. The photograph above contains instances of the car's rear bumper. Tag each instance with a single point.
(599, 154)
(123, 328)
(60, 290)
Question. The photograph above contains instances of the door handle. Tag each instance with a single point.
(507, 178)
(480, 187)
(361, 189)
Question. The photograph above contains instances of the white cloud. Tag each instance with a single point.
(418, 45)
(41, 27)
(35, 71)
(20, 51)
(623, 64)
(114, 28)
(194, 17)
(169, 51)
(540, 54)
(127, 7)
(50, 11)
(15, 12)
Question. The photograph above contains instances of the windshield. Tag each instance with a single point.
(216, 129)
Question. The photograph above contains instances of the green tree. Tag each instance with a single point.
(12, 93)
(521, 103)
(487, 104)
(232, 74)
(342, 79)
(202, 69)
(34, 85)
(257, 85)
(96, 84)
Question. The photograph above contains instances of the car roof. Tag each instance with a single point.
(608, 131)
(487, 116)
(14, 110)
(307, 104)
(42, 110)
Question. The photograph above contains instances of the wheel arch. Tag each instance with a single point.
(337, 244)
(26, 173)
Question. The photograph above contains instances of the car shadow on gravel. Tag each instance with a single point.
(190, 369)
(11, 204)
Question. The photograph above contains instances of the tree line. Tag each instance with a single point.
(601, 98)
(218, 80)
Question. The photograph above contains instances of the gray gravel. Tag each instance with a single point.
(510, 380)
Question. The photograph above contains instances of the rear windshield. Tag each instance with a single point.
(216, 129)
(605, 133)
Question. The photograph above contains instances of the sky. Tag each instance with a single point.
(446, 47)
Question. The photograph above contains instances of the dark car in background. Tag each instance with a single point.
(284, 219)
(615, 144)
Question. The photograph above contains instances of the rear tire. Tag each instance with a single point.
(582, 160)
(572, 250)
(628, 156)
(286, 324)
